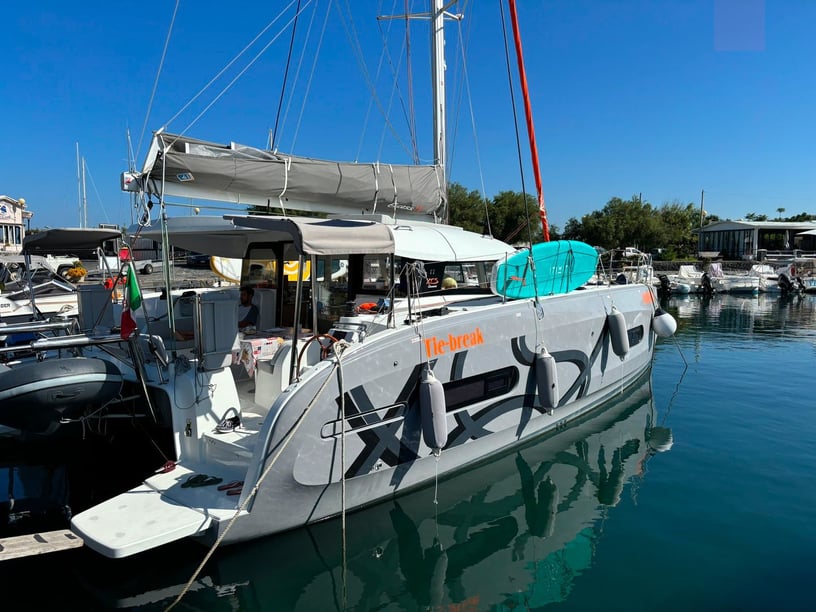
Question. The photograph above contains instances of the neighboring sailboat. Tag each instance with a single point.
(361, 386)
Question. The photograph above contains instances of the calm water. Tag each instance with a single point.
(696, 490)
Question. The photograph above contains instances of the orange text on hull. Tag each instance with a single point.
(437, 346)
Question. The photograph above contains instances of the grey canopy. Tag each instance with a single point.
(67, 240)
(231, 236)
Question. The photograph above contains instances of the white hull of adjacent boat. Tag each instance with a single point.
(300, 457)
(15, 311)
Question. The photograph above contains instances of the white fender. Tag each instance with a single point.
(433, 411)
(546, 379)
(664, 324)
(617, 332)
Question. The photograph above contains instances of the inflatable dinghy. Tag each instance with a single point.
(35, 397)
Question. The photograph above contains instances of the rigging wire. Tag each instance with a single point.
(285, 77)
(359, 57)
(410, 79)
(395, 90)
(241, 73)
(528, 115)
(300, 62)
(232, 61)
(309, 82)
(96, 191)
(476, 148)
(515, 121)
(158, 73)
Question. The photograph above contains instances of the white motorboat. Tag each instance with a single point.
(40, 292)
(349, 390)
(731, 283)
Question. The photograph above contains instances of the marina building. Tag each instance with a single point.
(758, 240)
(13, 215)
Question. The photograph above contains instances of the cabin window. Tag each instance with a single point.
(467, 391)
(260, 268)
(331, 286)
(473, 276)
(376, 270)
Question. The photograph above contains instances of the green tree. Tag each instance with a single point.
(801, 217)
(620, 223)
(514, 218)
(678, 220)
(466, 209)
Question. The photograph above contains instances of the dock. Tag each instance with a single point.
(38, 544)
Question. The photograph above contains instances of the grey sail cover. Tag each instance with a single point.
(240, 174)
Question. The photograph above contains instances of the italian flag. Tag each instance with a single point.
(132, 301)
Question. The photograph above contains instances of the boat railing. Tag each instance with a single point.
(61, 342)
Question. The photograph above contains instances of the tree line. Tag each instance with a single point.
(514, 218)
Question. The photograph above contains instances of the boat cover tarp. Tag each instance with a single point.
(237, 173)
(67, 240)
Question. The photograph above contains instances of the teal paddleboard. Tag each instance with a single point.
(560, 266)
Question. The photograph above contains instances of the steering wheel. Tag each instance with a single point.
(324, 340)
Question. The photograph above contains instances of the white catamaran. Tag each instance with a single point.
(346, 389)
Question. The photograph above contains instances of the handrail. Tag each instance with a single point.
(75, 340)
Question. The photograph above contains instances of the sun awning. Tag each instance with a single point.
(437, 242)
(324, 236)
(208, 235)
(232, 235)
(67, 240)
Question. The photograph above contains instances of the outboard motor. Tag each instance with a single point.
(708, 288)
(665, 284)
(784, 282)
(800, 284)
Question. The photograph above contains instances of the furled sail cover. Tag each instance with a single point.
(236, 173)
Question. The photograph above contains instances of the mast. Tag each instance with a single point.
(528, 113)
(702, 216)
(438, 76)
(79, 183)
(82, 196)
(84, 219)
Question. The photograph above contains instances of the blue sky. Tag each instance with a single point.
(660, 98)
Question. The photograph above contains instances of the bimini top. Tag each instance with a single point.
(381, 234)
(232, 235)
(67, 240)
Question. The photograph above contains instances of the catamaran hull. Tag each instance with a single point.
(486, 360)
(483, 355)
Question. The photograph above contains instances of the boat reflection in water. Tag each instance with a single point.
(772, 316)
(512, 531)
